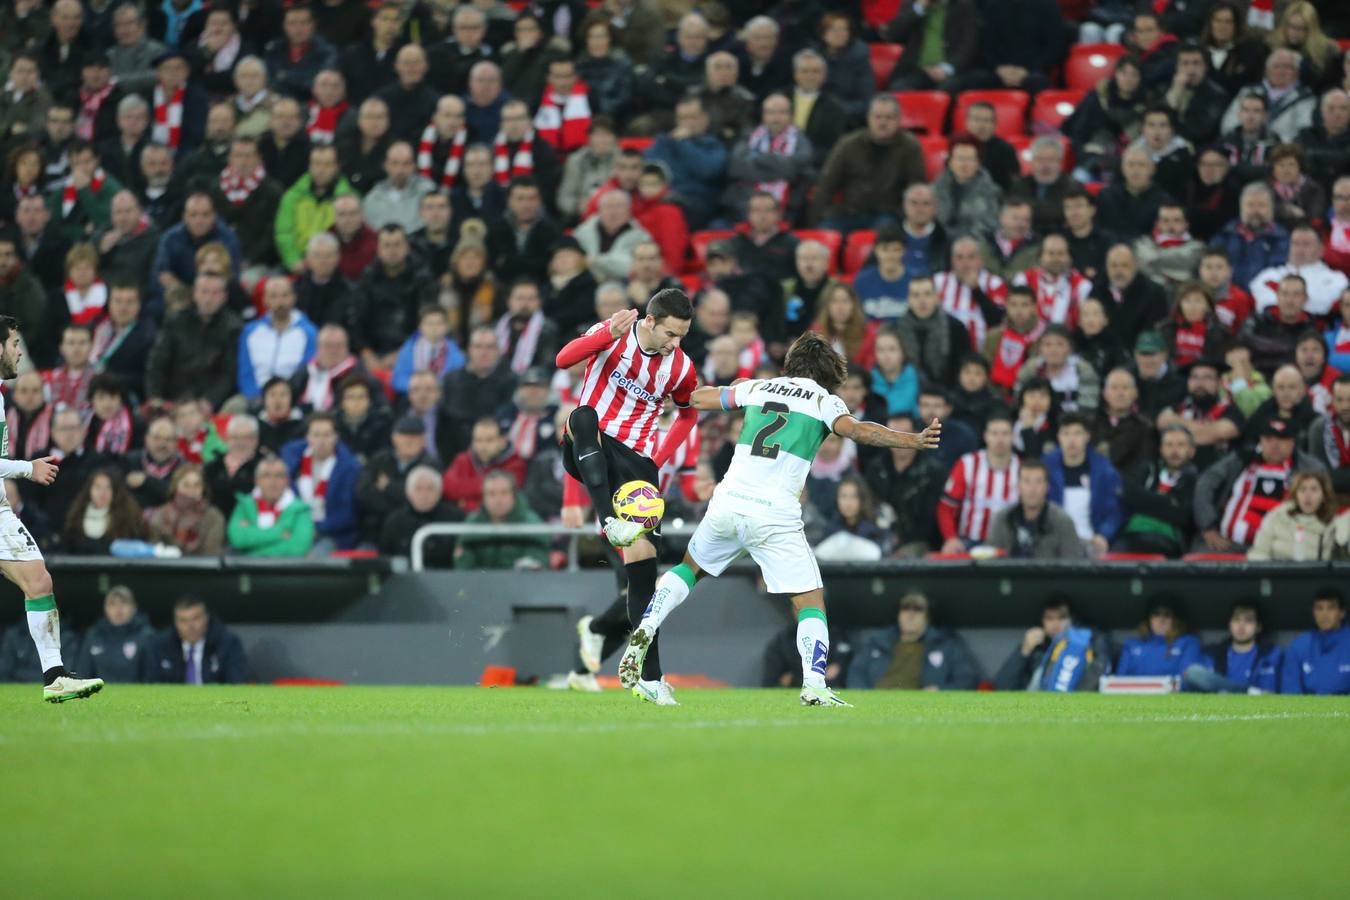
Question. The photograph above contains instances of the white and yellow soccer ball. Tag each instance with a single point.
(640, 502)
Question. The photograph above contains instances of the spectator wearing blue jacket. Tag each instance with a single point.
(1318, 661)
(894, 378)
(323, 473)
(1085, 484)
(276, 345)
(175, 262)
(696, 160)
(1253, 241)
(1240, 665)
(1162, 648)
(429, 350)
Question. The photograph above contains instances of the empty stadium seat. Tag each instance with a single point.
(1090, 63)
(934, 153)
(1052, 108)
(924, 110)
(831, 239)
(1010, 110)
(858, 248)
(879, 12)
(700, 241)
(639, 144)
(884, 58)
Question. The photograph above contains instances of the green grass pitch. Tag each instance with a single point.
(432, 792)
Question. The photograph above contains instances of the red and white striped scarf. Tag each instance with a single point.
(168, 128)
(90, 103)
(1260, 488)
(319, 385)
(269, 512)
(70, 196)
(959, 301)
(237, 187)
(782, 144)
(753, 355)
(507, 165)
(429, 357)
(1164, 241)
(526, 344)
(564, 122)
(426, 147)
(1261, 14)
(1338, 234)
(323, 121)
(524, 434)
(39, 436)
(191, 448)
(312, 480)
(114, 435)
(87, 306)
(1057, 299)
(1336, 440)
(67, 388)
(1340, 341)
(1189, 343)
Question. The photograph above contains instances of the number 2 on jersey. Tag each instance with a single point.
(760, 447)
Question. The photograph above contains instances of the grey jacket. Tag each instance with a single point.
(1053, 535)
(617, 261)
(1168, 266)
(583, 175)
(967, 208)
(134, 66)
(388, 205)
(746, 168)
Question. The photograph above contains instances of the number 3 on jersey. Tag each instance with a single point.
(760, 446)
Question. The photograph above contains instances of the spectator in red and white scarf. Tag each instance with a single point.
(1193, 331)
(1329, 440)
(178, 107)
(440, 149)
(524, 336)
(1337, 252)
(323, 473)
(517, 150)
(112, 428)
(86, 294)
(1169, 255)
(68, 383)
(564, 116)
(327, 107)
(96, 116)
(248, 200)
(774, 158)
(82, 203)
(1058, 287)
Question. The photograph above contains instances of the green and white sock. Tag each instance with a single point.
(44, 624)
(813, 643)
(671, 590)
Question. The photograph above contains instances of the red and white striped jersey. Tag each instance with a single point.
(978, 491)
(1057, 299)
(1260, 488)
(627, 386)
(957, 300)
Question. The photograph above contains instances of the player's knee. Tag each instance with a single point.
(584, 417)
(37, 582)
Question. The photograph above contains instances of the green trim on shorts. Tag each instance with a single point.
(810, 612)
(45, 603)
(685, 574)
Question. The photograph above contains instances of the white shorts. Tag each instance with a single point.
(781, 551)
(16, 544)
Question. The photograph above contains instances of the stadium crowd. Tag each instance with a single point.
(291, 277)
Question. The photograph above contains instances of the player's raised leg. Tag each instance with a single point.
(670, 592)
(813, 643)
(44, 625)
(583, 427)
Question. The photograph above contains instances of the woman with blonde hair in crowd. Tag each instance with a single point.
(1300, 529)
(842, 322)
(1300, 30)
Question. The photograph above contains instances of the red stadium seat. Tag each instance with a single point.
(1010, 110)
(702, 240)
(858, 248)
(831, 239)
(884, 58)
(1023, 147)
(879, 12)
(640, 144)
(1344, 44)
(960, 556)
(924, 110)
(934, 153)
(1131, 557)
(1214, 557)
(1052, 108)
(354, 554)
(691, 282)
(1090, 63)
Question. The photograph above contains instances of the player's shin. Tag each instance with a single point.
(584, 426)
(44, 624)
(670, 592)
(813, 643)
(641, 587)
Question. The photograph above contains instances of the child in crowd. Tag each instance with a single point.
(198, 440)
(1246, 386)
(112, 428)
(429, 350)
(884, 287)
(86, 294)
(974, 399)
(894, 378)
(750, 347)
(1193, 330)
(1036, 415)
(68, 383)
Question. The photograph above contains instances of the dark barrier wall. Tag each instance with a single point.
(361, 622)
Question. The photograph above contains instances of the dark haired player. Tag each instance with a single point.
(612, 436)
(756, 509)
(21, 560)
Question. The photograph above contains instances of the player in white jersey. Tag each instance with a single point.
(756, 510)
(21, 560)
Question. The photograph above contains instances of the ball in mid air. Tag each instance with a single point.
(640, 502)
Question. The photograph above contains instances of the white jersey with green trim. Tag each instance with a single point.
(9, 468)
(786, 420)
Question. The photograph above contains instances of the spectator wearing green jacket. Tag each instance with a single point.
(271, 520)
(81, 204)
(502, 506)
(307, 207)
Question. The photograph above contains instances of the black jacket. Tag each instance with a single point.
(130, 259)
(377, 501)
(572, 306)
(397, 532)
(913, 494)
(326, 303)
(223, 659)
(409, 111)
(1142, 305)
(153, 490)
(1129, 214)
(510, 260)
(386, 307)
(1047, 201)
(224, 487)
(824, 126)
(960, 38)
(192, 353)
(369, 436)
(1141, 497)
(466, 398)
(116, 653)
(1089, 252)
(253, 220)
(1199, 124)
(285, 164)
(129, 360)
(367, 72)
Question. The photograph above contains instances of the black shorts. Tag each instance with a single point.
(622, 463)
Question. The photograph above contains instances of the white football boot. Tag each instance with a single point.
(589, 644)
(821, 695)
(68, 687)
(658, 692)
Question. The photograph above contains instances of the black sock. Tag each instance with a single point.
(52, 674)
(641, 587)
(584, 426)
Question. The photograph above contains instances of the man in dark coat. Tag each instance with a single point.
(198, 649)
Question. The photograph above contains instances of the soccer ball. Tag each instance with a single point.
(640, 502)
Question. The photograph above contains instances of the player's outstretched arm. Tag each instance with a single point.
(711, 398)
(588, 345)
(874, 435)
(43, 470)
